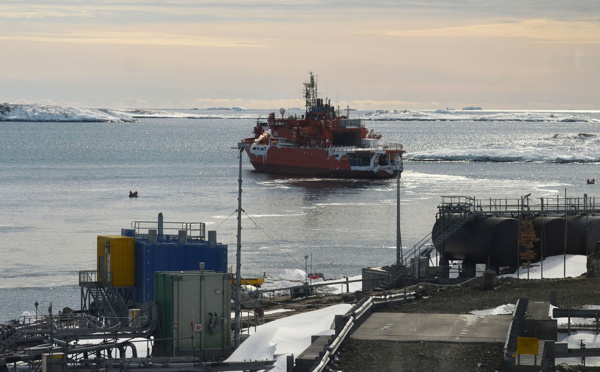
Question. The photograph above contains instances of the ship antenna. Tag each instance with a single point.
(337, 93)
(310, 92)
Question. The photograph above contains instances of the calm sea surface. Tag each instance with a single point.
(62, 184)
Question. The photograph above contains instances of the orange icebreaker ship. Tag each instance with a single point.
(321, 144)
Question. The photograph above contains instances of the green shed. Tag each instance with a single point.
(195, 312)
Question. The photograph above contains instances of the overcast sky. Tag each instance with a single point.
(406, 54)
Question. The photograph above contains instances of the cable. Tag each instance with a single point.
(303, 251)
(219, 225)
(273, 240)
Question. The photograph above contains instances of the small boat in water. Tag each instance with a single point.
(321, 144)
(133, 194)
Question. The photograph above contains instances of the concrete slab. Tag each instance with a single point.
(305, 360)
(463, 328)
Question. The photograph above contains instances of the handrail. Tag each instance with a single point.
(515, 330)
(354, 318)
(93, 276)
(195, 230)
(548, 205)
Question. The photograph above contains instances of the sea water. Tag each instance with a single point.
(62, 184)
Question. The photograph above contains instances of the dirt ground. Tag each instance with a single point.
(359, 355)
(362, 355)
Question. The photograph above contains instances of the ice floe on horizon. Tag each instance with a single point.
(557, 148)
(553, 116)
(45, 113)
(35, 112)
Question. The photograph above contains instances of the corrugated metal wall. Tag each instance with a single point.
(122, 259)
(194, 311)
(169, 256)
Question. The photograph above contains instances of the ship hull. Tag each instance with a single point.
(315, 163)
(322, 173)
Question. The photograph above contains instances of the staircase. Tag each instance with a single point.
(424, 248)
(110, 305)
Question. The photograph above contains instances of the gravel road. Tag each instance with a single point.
(360, 356)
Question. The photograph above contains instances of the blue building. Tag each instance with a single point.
(172, 246)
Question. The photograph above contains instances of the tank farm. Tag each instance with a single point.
(163, 289)
(506, 233)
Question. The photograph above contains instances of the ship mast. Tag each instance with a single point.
(310, 92)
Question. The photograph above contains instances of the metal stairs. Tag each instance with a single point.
(424, 248)
(110, 305)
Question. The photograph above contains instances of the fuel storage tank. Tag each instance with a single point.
(489, 240)
(494, 240)
(589, 230)
(551, 231)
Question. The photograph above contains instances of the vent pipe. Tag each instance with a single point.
(160, 224)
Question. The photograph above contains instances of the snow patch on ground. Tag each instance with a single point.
(291, 335)
(554, 268)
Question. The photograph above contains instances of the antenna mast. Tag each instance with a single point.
(310, 92)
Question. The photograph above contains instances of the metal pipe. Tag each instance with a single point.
(399, 254)
(160, 224)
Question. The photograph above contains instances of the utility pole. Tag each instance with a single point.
(399, 254)
(238, 276)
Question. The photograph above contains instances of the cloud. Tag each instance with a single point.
(374, 104)
(298, 103)
(247, 103)
(135, 38)
(582, 31)
(291, 9)
(129, 102)
(42, 101)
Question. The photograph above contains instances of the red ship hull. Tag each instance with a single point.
(321, 173)
(315, 163)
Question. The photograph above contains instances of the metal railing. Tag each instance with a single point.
(524, 204)
(390, 146)
(347, 324)
(515, 330)
(195, 230)
(92, 276)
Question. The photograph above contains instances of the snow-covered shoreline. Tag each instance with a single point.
(44, 113)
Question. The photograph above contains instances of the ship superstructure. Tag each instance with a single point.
(321, 143)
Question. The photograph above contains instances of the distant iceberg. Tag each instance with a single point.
(43, 113)
(235, 108)
(482, 115)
